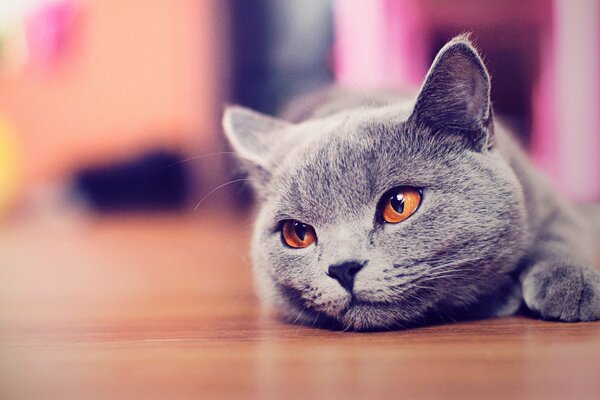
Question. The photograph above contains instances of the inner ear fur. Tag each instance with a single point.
(455, 97)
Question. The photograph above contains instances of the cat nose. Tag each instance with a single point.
(345, 273)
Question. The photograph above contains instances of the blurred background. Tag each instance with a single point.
(111, 106)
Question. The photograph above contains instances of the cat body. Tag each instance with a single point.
(488, 233)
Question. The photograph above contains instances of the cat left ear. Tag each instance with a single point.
(252, 136)
(455, 98)
(251, 133)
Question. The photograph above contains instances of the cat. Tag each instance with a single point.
(382, 211)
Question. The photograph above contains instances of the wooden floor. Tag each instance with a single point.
(162, 307)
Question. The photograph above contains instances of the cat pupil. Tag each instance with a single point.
(397, 201)
(300, 230)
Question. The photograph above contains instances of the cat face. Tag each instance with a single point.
(377, 217)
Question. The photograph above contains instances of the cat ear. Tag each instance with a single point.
(251, 136)
(251, 133)
(455, 97)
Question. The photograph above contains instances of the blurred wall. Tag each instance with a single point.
(542, 55)
(139, 73)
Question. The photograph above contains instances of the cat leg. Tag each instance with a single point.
(559, 282)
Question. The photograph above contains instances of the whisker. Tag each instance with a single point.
(201, 156)
(219, 187)
(265, 315)
(314, 323)
(433, 267)
(531, 234)
(347, 327)
(467, 279)
(264, 298)
(299, 315)
(466, 261)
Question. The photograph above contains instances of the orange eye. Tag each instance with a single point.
(297, 235)
(400, 204)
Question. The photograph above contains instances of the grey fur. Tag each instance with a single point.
(489, 233)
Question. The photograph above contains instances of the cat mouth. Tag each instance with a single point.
(357, 315)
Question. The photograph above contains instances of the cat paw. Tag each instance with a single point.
(563, 292)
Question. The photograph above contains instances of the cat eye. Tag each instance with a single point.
(297, 234)
(399, 204)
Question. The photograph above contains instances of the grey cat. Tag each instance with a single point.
(382, 212)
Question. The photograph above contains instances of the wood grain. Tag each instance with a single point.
(162, 307)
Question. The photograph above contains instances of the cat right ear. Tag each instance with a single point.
(251, 134)
(455, 97)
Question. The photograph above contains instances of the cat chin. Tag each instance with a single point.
(350, 316)
(376, 317)
(343, 313)
(356, 317)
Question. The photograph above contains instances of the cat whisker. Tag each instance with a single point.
(438, 311)
(466, 261)
(531, 234)
(219, 187)
(442, 274)
(314, 323)
(447, 276)
(448, 268)
(268, 297)
(299, 315)
(347, 327)
(463, 278)
(201, 156)
(264, 316)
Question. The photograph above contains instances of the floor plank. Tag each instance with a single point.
(162, 307)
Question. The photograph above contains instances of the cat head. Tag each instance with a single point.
(376, 217)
